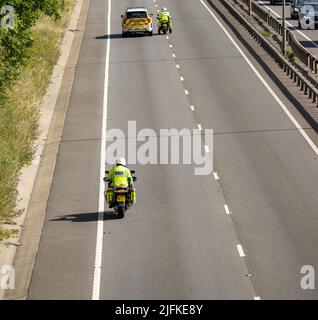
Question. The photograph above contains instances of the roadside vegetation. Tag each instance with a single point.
(28, 53)
(290, 55)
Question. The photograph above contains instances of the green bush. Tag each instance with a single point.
(20, 93)
(290, 55)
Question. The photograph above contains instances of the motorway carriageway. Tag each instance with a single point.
(242, 232)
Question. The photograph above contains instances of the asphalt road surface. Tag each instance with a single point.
(178, 241)
(307, 37)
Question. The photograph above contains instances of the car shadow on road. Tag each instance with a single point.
(120, 36)
(86, 217)
(110, 36)
(309, 44)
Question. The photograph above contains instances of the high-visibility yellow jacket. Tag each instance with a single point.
(120, 177)
(164, 16)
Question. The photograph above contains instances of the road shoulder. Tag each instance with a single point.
(38, 179)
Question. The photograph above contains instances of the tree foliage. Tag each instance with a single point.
(15, 41)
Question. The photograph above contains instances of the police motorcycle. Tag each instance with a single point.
(164, 27)
(121, 198)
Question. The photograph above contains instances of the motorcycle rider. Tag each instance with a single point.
(164, 14)
(119, 176)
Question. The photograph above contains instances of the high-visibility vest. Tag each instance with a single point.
(120, 175)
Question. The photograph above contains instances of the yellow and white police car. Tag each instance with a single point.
(136, 21)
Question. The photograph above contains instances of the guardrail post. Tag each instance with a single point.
(308, 59)
(284, 28)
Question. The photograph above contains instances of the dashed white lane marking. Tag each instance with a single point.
(181, 78)
(206, 148)
(101, 204)
(158, 11)
(192, 108)
(167, 37)
(240, 250)
(257, 298)
(156, 5)
(227, 210)
(199, 126)
(173, 55)
(266, 85)
(177, 66)
(170, 45)
(216, 176)
(301, 33)
(186, 92)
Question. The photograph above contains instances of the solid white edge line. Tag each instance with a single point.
(289, 24)
(270, 90)
(240, 250)
(227, 210)
(100, 222)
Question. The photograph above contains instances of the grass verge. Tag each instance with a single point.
(19, 113)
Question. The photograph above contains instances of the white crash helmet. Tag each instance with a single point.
(121, 161)
(164, 9)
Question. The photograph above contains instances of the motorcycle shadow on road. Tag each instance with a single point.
(87, 217)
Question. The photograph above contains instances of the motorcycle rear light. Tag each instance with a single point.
(121, 191)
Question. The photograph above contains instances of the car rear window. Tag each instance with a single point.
(315, 6)
(303, 2)
(137, 14)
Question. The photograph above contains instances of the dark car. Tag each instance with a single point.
(296, 5)
(308, 16)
